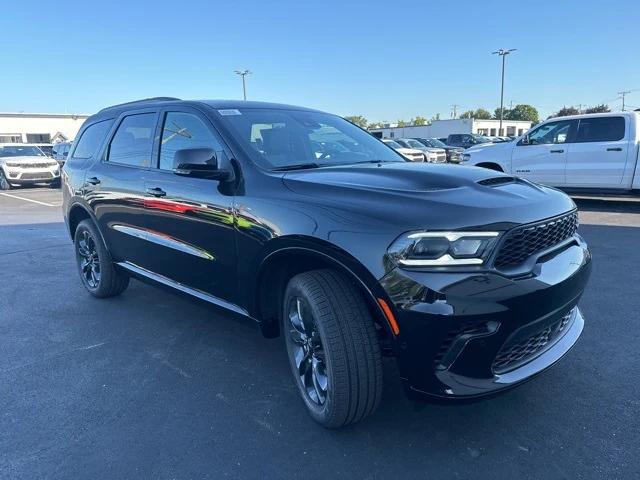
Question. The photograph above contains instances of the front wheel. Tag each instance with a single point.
(4, 183)
(333, 348)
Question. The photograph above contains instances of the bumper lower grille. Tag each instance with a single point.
(520, 351)
(36, 176)
(522, 242)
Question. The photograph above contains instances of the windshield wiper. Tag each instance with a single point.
(299, 166)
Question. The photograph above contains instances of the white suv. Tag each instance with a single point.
(22, 164)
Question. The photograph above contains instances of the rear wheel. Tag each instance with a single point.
(333, 348)
(4, 183)
(97, 271)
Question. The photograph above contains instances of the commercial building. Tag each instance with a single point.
(39, 127)
(443, 128)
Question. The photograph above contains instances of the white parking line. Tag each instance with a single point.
(30, 200)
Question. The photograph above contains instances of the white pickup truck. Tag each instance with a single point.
(598, 151)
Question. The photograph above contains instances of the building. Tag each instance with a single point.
(39, 127)
(444, 128)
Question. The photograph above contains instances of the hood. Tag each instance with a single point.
(423, 195)
(493, 146)
(26, 159)
(413, 151)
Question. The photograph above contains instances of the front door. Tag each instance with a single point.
(544, 158)
(598, 156)
(189, 221)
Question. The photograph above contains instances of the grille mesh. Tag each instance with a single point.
(522, 242)
(36, 176)
(513, 354)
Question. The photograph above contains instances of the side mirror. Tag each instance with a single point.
(199, 163)
(525, 140)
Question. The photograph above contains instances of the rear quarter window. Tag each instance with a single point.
(600, 129)
(91, 139)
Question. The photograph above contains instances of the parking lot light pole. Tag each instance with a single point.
(503, 53)
(243, 73)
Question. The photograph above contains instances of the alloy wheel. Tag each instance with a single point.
(89, 259)
(307, 352)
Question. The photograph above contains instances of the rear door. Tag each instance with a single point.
(598, 156)
(190, 221)
(544, 158)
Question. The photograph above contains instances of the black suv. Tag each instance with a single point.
(466, 140)
(319, 232)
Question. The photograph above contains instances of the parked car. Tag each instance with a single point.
(46, 148)
(409, 153)
(470, 278)
(466, 140)
(443, 140)
(596, 151)
(24, 164)
(60, 152)
(434, 155)
(453, 153)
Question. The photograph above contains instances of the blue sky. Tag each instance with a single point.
(382, 59)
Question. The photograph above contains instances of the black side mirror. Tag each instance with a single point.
(199, 163)
(525, 140)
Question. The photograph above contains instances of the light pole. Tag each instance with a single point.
(243, 73)
(503, 53)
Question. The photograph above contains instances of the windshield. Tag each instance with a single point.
(414, 144)
(434, 142)
(482, 139)
(393, 144)
(21, 151)
(277, 139)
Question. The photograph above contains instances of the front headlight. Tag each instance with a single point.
(465, 157)
(442, 249)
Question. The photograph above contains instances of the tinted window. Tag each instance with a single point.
(133, 141)
(455, 138)
(281, 138)
(91, 139)
(183, 130)
(550, 133)
(601, 129)
(20, 151)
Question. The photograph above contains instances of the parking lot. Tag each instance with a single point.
(151, 385)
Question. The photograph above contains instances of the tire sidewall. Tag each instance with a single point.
(321, 413)
(4, 182)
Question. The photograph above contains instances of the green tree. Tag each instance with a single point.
(358, 120)
(496, 113)
(419, 120)
(401, 123)
(565, 111)
(598, 109)
(523, 112)
(482, 114)
(434, 118)
(375, 125)
(467, 114)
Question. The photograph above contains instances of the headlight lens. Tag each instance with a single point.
(443, 249)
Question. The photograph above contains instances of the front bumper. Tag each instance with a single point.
(19, 175)
(466, 335)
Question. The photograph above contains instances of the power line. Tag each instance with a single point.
(623, 94)
(454, 113)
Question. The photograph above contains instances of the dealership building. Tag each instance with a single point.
(444, 128)
(39, 127)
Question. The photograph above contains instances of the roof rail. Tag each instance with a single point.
(152, 99)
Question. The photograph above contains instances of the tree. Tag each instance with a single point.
(467, 114)
(419, 120)
(401, 123)
(375, 125)
(482, 114)
(565, 111)
(523, 112)
(358, 120)
(598, 109)
(496, 113)
(435, 118)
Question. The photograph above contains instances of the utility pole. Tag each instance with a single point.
(243, 73)
(454, 114)
(623, 95)
(579, 108)
(503, 53)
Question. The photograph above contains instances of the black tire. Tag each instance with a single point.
(4, 183)
(55, 184)
(97, 271)
(350, 352)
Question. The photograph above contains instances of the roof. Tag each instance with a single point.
(593, 115)
(44, 115)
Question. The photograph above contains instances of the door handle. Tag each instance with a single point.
(93, 180)
(556, 151)
(614, 149)
(156, 192)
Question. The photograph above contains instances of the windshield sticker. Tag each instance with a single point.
(231, 111)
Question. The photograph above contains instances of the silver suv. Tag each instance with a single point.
(22, 164)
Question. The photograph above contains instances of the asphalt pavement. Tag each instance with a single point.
(152, 385)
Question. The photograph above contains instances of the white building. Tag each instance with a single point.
(444, 128)
(39, 127)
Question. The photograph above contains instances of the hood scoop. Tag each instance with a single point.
(495, 181)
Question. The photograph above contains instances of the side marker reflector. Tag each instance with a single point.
(389, 315)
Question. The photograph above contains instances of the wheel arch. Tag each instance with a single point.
(79, 212)
(290, 258)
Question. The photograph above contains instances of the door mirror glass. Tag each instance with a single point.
(525, 140)
(198, 162)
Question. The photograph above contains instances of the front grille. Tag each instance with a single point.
(522, 242)
(31, 165)
(517, 352)
(36, 176)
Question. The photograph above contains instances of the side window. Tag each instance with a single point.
(67, 146)
(551, 133)
(455, 138)
(91, 139)
(184, 130)
(600, 129)
(133, 141)
(54, 149)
